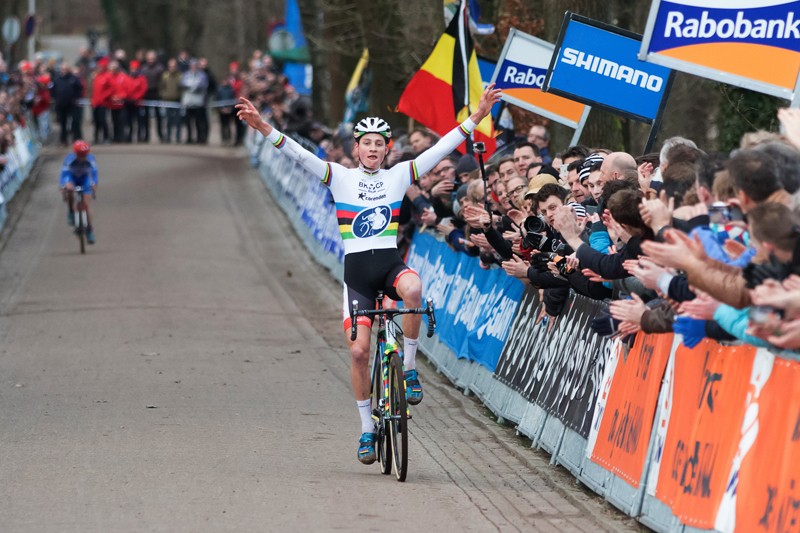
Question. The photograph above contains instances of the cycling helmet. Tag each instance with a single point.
(372, 125)
(81, 148)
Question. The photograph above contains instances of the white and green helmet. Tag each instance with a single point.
(372, 125)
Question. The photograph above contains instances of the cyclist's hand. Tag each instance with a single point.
(247, 112)
(489, 97)
(69, 186)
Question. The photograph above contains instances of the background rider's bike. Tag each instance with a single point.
(388, 388)
(81, 218)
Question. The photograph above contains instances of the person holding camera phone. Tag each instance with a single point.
(368, 202)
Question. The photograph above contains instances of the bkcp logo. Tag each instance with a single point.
(755, 43)
(371, 221)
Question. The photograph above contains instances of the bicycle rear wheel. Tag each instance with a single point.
(398, 423)
(382, 444)
(81, 229)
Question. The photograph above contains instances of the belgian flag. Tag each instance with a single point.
(437, 94)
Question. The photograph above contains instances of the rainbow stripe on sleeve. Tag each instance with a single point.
(326, 180)
(280, 142)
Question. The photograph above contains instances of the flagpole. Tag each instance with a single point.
(463, 28)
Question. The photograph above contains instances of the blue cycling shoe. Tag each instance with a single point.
(413, 387)
(90, 236)
(366, 448)
(70, 218)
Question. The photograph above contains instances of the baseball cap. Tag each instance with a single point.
(538, 182)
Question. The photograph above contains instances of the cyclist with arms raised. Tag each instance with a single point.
(79, 170)
(368, 205)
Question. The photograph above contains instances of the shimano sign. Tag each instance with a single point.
(612, 70)
(748, 43)
(597, 64)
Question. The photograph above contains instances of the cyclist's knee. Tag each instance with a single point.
(411, 292)
(359, 353)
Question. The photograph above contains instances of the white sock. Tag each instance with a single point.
(409, 353)
(367, 425)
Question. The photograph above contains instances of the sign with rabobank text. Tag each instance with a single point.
(749, 43)
(520, 72)
(598, 64)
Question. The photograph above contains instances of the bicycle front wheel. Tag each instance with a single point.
(398, 423)
(382, 444)
(81, 230)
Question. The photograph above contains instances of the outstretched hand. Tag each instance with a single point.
(489, 97)
(246, 111)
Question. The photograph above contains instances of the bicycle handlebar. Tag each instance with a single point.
(391, 312)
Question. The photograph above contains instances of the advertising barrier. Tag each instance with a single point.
(21, 157)
(557, 366)
(521, 71)
(474, 307)
(753, 44)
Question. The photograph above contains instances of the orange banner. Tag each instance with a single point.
(624, 433)
(768, 495)
(709, 399)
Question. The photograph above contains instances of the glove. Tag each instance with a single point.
(693, 330)
(539, 262)
(605, 325)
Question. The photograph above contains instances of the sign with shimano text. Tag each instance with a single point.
(521, 71)
(598, 64)
(749, 43)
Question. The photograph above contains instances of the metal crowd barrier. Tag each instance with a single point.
(21, 157)
(706, 439)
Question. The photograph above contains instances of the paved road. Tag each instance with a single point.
(189, 374)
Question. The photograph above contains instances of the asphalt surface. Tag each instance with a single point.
(189, 373)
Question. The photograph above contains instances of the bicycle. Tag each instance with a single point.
(388, 387)
(81, 218)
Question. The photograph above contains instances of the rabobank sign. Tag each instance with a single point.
(599, 65)
(751, 43)
(520, 72)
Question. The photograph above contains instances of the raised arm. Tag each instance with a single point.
(247, 112)
(431, 157)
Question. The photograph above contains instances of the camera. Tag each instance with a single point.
(719, 214)
(479, 147)
(532, 239)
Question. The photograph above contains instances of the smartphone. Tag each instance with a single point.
(563, 172)
(719, 214)
(764, 314)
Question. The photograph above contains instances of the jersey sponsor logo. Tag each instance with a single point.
(363, 196)
(612, 69)
(372, 221)
(370, 187)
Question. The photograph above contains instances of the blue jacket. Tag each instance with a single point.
(76, 171)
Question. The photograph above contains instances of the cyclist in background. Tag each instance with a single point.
(368, 202)
(79, 170)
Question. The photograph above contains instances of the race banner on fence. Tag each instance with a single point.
(598, 64)
(560, 366)
(710, 385)
(622, 427)
(767, 497)
(520, 72)
(748, 43)
(474, 307)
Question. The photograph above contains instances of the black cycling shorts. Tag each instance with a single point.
(367, 273)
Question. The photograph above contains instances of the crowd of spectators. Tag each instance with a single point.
(175, 97)
(685, 241)
(18, 92)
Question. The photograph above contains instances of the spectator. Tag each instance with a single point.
(170, 89)
(539, 136)
(118, 94)
(66, 91)
(524, 155)
(421, 139)
(194, 84)
(152, 70)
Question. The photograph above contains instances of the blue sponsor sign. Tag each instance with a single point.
(474, 307)
(598, 64)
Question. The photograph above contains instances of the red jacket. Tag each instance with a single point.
(119, 90)
(137, 86)
(101, 89)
